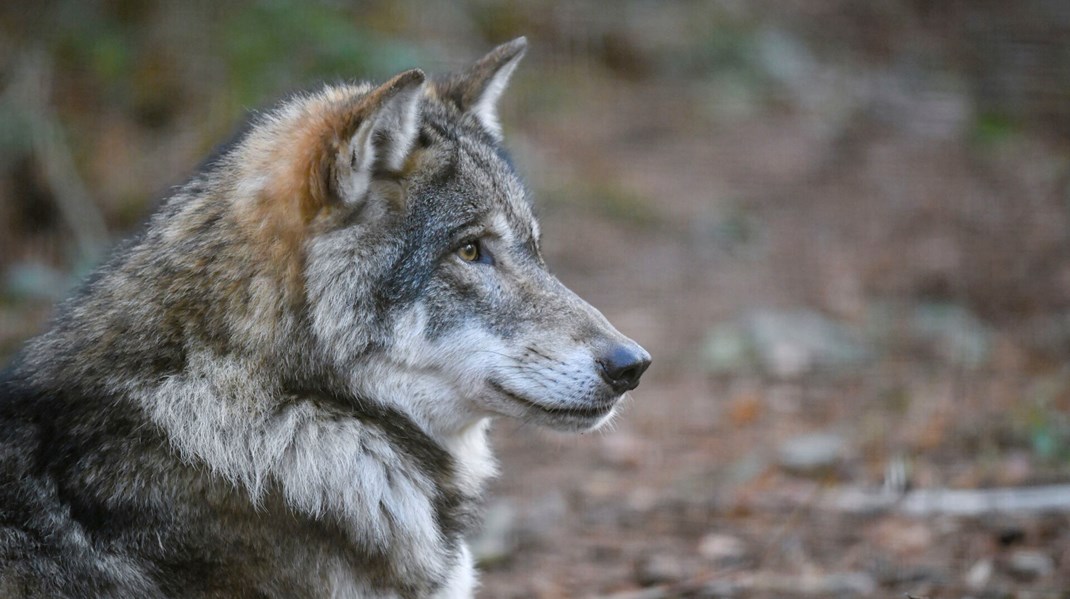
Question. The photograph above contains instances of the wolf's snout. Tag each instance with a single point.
(622, 366)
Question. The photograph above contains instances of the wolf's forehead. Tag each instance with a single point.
(490, 182)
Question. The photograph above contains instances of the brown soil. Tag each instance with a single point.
(683, 494)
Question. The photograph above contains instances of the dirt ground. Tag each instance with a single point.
(688, 493)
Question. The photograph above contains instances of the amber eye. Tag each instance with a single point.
(470, 252)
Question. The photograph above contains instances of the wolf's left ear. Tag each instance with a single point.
(476, 90)
(378, 135)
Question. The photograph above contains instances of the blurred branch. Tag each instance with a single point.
(953, 502)
(29, 96)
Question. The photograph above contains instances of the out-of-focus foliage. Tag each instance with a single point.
(268, 47)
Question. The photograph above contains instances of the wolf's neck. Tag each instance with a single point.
(425, 397)
(473, 458)
(367, 466)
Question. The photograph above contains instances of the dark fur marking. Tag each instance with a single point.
(454, 511)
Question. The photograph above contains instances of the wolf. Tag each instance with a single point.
(282, 386)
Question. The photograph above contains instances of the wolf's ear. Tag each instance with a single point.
(476, 90)
(378, 135)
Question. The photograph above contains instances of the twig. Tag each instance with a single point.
(974, 502)
(954, 502)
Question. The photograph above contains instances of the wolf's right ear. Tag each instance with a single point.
(477, 89)
(377, 136)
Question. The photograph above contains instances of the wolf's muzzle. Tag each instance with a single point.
(622, 366)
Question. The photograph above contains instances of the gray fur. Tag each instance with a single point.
(282, 388)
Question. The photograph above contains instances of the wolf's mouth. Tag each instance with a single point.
(594, 411)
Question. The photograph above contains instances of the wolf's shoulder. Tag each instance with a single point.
(44, 547)
(22, 429)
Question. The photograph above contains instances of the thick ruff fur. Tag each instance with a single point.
(282, 387)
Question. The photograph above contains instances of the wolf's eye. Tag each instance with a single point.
(472, 251)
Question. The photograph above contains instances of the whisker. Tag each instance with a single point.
(490, 351)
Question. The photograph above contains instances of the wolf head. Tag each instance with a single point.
(418, 254)
(426, 284)
(375, 238)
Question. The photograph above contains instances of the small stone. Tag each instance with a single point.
(849, 583)
(979, 574)
(812, 453)
(789, 344)
(643, 499)
(957, 335)
(1030, 564)
(721, 547)
(784, 344)
(658, 569)
(726, 350)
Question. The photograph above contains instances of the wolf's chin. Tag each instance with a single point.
(569, 419)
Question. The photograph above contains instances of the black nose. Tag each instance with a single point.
(623, 365)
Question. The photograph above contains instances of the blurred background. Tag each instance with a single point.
(840, 227)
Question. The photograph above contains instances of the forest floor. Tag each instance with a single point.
(826, 327)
